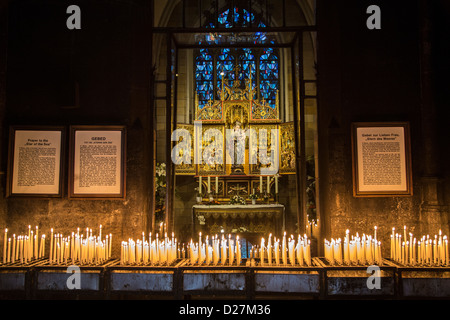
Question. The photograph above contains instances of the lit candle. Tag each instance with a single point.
(269, 250)
(277, 251)
(411, 246)
(36, 246)
(300, 251)
(284, 250)
(262, 251)
(13, 255)
(392, 245)
(347, 248)
(231, 250)
(291, 251)
(308, 253)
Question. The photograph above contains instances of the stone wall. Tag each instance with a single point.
(369, 75)
(108, 60)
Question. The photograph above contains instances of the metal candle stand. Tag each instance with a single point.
(251, 279)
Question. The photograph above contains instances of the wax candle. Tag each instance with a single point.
(5, 241)
(291, 252)
(260, 184)
(231, 250)
(446, 251)
(9, 250)
(269, 250)
(307, 254)
(299, 247)
(347, 248)
(276, 184)
(284, 250)
(268, 184)
(13, 256)
(262, 252)
(209, 184)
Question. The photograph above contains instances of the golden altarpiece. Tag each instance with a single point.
(227, 184)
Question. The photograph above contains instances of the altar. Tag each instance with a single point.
(258, 219)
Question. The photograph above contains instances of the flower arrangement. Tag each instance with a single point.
(253, 196)
(237, 199)
(160, 190)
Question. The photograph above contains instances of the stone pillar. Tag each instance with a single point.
(433, 212)
(3, 61)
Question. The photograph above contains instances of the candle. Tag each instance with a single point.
(5, 241)
(284, 250)
(260, 184)
(200, 184)
(300, 251)
(269, 250)
(277, 251)
(446, 251)
(392, 245)
(231, 250)
(291, 251)
(262, 252)
(268, 184)
(209, 184)
(347, 247)
(9, 250)
(13, 249)
(276, 184)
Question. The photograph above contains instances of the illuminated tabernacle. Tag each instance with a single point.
(224, 149)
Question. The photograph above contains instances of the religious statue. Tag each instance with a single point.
(236, 148)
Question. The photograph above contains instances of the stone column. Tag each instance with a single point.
(433, 212)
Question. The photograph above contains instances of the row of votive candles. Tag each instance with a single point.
(80, 248)
(215, 251)
(23, 248)
(228, 251)
(147, 251)
(426, 251)
(285, 251)
(354, 250)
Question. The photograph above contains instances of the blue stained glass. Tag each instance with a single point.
(239, 67)
(204, 76)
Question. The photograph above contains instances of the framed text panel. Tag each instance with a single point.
(35, 162)
(381, 159)
(97, 162)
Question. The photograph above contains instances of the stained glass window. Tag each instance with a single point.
(268, 75)
(204, 77)
(211, 66)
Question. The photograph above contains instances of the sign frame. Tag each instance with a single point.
(378, 132)
(36, 138)
(90, 133)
